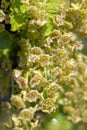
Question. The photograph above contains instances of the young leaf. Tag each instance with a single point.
(19, 15)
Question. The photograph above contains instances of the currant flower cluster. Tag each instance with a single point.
(49, 71)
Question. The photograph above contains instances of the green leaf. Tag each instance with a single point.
(5, 40)
(19, 15)
(49, 27)
(51, 6)
(52, 11)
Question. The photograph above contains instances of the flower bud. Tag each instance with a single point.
(22, 82)
(44, 60)
(55, 34)
(37, 81)
(33, 10)
(59, 20)
(17, 102)
(6, 106)
(16, 73)
(16, 121)
(61, 53)
(69, 95)
(32, 96)
(36, 50)
(52, 89)
(68, 109)
(48, 105)
(65, 80)
(65, 39)
(26, 114)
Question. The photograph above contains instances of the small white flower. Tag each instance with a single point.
(32, 96)
(44, 60)
(26, 114)
(17, 102)
(22, 82)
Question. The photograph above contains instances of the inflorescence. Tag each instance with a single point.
(49, 71)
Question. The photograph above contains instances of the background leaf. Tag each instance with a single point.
(5, 40)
